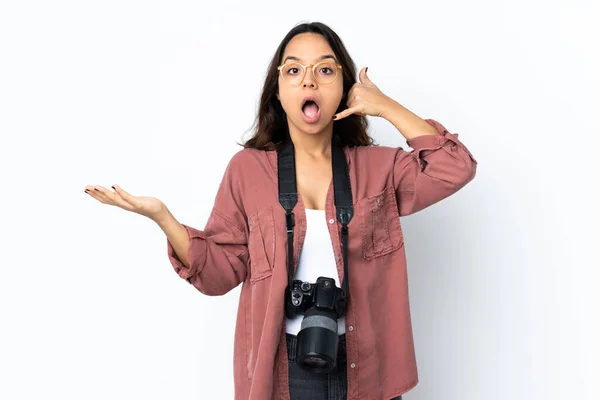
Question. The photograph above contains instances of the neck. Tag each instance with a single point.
(317, 145)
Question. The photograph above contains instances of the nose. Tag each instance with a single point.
(309, 78)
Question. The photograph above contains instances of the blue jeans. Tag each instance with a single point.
(306, 385)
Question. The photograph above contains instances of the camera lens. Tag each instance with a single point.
(318, 341)
(315, 362)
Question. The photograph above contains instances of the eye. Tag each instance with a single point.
(328, 69)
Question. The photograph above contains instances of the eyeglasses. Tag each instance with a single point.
(324, 72)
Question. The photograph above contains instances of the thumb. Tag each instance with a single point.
(363, 76)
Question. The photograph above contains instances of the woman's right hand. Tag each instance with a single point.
(150, 207)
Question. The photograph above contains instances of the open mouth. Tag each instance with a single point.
(311, 111)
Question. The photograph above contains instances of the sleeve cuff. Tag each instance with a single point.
(430, 143)
(196, 251)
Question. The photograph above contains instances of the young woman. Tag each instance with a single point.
(312, 103)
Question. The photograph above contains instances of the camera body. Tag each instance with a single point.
(322, 304)
(323, 295)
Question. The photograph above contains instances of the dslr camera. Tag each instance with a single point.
(322, 303)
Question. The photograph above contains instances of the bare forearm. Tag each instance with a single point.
(176, 233)
(408, 124)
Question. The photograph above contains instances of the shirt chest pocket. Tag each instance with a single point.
(261, 244)
(379, 220)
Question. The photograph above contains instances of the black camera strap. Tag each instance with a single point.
(288, 197)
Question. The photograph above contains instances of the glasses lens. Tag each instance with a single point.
(326, 72)
(292, 73)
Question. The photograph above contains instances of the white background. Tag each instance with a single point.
(154, 95)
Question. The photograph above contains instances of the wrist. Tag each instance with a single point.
(162, 216)
(390, 108)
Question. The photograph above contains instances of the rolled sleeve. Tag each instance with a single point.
(218, 254)
(196, 254)
(438, 166)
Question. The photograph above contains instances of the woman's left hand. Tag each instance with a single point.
(364, 98)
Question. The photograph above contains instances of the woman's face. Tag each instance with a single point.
(310, 48)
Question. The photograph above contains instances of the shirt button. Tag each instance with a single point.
(350, 328)
(352, 365)
(331, 221)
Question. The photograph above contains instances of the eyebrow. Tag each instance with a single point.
(318, 59)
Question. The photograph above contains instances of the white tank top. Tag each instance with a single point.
(316, 259)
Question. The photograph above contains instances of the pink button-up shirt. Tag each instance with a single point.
(245, 241)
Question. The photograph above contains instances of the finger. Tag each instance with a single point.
(106, 196)
(351, 91)
(96, 195)
(351, 101)
(346, 112)
(123, 194)
(100, 191)
(128, 200)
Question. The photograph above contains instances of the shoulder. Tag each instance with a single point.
(244, 158)
(246, 167)
(374, 154)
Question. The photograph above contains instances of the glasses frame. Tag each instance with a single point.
(304, 69)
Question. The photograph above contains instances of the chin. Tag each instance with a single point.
(313, 129)
(310, 128)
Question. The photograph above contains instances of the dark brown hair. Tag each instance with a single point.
(271, 127)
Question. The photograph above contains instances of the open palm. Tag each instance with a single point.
(150, 207)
